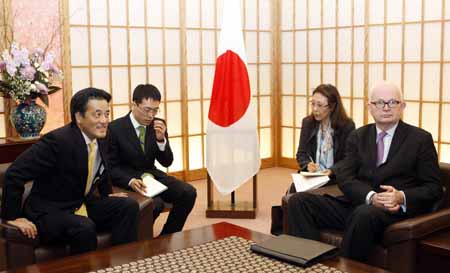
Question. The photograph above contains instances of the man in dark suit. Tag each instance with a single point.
(71, 197)
(136, 141)
(390, 172)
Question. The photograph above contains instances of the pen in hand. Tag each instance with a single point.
(312, 166)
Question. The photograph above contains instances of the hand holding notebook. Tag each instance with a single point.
(153, 186)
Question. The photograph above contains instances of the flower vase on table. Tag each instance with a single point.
(24, 77)
(28, 119)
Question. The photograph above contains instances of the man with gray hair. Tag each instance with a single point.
(390, 172)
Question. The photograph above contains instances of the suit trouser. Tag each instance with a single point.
(118, 214)
(182, 196)
(363, 225)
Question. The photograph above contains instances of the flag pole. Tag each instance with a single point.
(234, 209)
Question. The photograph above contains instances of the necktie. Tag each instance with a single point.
(380, 147)
(82, 211)
(142, 137)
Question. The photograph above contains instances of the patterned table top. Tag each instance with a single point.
(231, 254)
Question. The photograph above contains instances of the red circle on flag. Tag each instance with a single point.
(231, 90)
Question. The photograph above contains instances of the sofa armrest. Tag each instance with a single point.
(145, 226)
(12, 234)
(332, 190)
(143, 201)
(416, 227)
(284, 207)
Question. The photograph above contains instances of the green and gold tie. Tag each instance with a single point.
(142, 137)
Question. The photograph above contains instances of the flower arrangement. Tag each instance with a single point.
(26, 76)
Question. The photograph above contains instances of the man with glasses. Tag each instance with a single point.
(390, 172)
(136, 141)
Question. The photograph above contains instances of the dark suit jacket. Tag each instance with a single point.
(126, 158)
(411, 166)
(308, 142)
(58, 167)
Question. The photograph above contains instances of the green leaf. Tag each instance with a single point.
(52, 89)
(4, 89)
(44, 98)
(5, 85)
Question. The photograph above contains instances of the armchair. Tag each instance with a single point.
(20, 251)
(397, 250)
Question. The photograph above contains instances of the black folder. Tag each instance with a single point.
(295, 250)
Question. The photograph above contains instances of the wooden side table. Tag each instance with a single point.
(10, 150)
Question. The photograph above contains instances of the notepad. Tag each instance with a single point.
(154, 187)
(305, 183)
(307, 174)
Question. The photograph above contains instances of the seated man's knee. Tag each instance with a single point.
(191, 193)
(298, 199)
(158, 205)
(365, 213)
(85, 230)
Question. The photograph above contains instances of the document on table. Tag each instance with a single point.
(154, 187)
(305, 183)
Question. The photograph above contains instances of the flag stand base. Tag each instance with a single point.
(234, 210)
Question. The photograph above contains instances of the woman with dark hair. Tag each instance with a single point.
(324, 132)
(322, 141)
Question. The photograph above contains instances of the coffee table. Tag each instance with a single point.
(118, 255)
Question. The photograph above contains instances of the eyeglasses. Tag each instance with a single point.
(318, 105)
(148, 110)
(390, 103)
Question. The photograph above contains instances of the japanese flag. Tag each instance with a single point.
(232, 149)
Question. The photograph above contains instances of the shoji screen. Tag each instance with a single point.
(117, 44)
(163, 47)
(353, 44)
(321, 42)
(258, 40)
(408, 43)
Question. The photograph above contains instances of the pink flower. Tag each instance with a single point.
(2, 66)
(54, 69)
(28, 72)
(48, 61)
(38, 52)
(20, 56)
(41, 87)
(11, 69)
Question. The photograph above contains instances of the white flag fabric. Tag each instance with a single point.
(232, 149)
